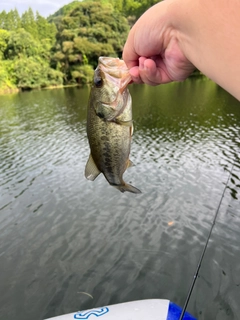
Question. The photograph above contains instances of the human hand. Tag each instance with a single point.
(153, 52)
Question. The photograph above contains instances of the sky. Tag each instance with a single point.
(44, 7)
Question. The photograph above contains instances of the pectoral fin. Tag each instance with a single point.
(131, 132)
(130, 164)
(91, 170)
(125, 123)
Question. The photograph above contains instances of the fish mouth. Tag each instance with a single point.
(116, 71)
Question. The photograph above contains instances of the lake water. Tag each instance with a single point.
(61, 235)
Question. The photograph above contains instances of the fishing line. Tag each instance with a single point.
(204, 249)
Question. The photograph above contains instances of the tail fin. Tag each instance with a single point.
(127, 187)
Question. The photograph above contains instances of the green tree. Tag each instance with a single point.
(16, 19)
(82, 74)
(25, 64)
(29, 24)
(6, 76)
(3, 16)
(33, 73)
(89, 30)
(132, 9)
(37, 52)
(4, 38)
(45, 30)
(10, 21)
(63, 11)
(22, 44)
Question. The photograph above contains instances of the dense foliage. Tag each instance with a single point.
(36, 52)
(90, 30)
(25, 44)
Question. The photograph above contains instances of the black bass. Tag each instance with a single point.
(109, 123)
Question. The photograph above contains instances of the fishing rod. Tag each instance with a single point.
(204, 249)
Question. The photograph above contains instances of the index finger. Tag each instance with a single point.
(129, 54)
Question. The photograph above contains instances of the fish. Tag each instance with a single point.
(110, 124)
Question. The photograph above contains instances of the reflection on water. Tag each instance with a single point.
(61, 234)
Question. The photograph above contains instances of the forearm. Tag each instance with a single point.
(208, 32)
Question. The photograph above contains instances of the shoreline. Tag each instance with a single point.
(7, 91)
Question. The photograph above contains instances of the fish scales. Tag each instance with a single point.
(105, 146)
(109, 124)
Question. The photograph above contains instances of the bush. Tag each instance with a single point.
(31, 73)
(83, 74)
(6, 79)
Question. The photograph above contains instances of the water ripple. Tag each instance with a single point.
(61, 234)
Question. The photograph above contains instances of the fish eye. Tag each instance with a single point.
(98, 82)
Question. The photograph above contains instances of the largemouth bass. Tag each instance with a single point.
(109, 124)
